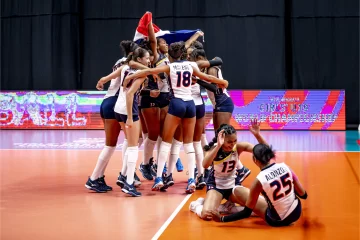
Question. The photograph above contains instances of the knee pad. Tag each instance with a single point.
(132, 153)
(165, 147)
(175, 147)
(189, 148)
(198, 148)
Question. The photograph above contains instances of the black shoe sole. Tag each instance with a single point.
(130, 193)
(120, 184)
(201, 185)
(95, 190)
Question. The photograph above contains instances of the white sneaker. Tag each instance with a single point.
(194, 204)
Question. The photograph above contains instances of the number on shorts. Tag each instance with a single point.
(285, 182)
(184, 79)
(228, 166)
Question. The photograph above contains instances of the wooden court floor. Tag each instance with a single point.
(43, 197)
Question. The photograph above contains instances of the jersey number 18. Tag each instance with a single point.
(183, 79)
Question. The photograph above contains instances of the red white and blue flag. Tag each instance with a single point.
(141, 32)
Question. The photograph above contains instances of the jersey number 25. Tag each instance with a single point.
(285, 182)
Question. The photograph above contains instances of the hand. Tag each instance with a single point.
(129, 123)
(221, 138)
(201, 33)
(156, 77)
(225, 84)
(216, 216)
(100, 85)
(154, 93)
(254, 127)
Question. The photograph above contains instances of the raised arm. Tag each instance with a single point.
(153, 41)
(255, 130)
(193, 39)
(210, 156)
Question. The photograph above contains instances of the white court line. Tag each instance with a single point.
(172, 216)
(98, 149)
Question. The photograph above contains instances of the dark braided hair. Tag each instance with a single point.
(228, 130)
(128, 46)
(263, 153)
(197, 45)
(196, 53)
(177, 51)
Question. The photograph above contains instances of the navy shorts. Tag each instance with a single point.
(293, 217)
(200, 111)
(163, 99)
(107, 108)
(181, 108)
(211, 185)
(225, 106)
(149, 102)
(123, 118)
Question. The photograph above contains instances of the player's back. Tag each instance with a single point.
(120, 106)
(114, 87)
(278, 188)
(180, 79)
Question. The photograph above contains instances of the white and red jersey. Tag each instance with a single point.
(120, 106)
(278, 189)
(181, 79)
(195, 88)
(115, 83)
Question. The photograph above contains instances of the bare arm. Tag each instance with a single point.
(210, 78)
(255, 191)
(130, 96)
(255, 130)
(203, 64)
(244, 147)
(112, 75)
(193, 39)
(148, 71)
(103, 80)
(209, 157)
(209, 63)
(136, 65)
(299, 189)
(153, 41)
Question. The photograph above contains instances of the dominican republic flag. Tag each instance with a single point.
(141, 32)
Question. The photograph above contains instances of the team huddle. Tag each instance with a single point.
(155, 98)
